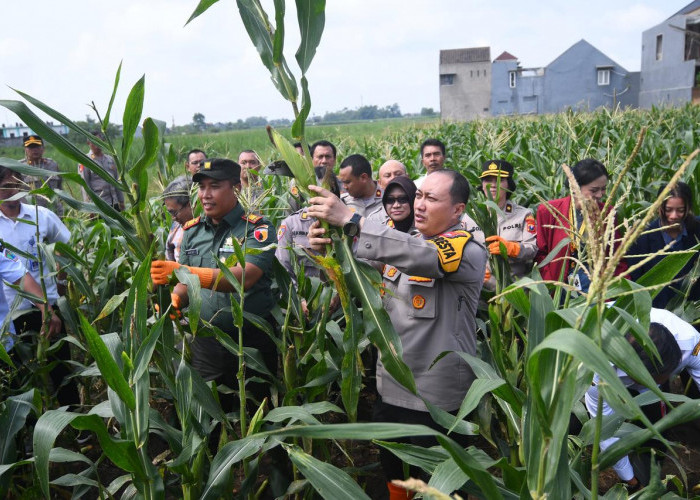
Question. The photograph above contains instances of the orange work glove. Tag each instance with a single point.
(162, 269)
(175, 301)
(487, 275)
(512, 248)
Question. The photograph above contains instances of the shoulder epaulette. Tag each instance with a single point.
(378, 193)
(252, 218)
(450, 247)
(191, 223)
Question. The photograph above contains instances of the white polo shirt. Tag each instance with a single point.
(21, 233)
(10, 271)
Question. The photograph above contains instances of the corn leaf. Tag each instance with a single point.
(328, 481)
(312, 19)
(132, 116)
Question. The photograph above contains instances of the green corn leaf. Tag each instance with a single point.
(476, 471)
(105, 362)
(350, 367)
(145, 350)
(425, 458)
(151, 145)
(111, 305)
(229, 455)
(301, 166)
(300, 121)
(278, 36)
(114, 93)
(328, 481)
(132, 115)
(201, 8)
(52, 423)
(12, 419)
(360, 278)
(312, 19)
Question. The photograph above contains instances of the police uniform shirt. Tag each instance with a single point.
(515, 224)
(688, 340)
(10, 271)
(363, 206)
(54, 182)
(293, 232)
(203, 243)
(432, 289)
(110, 194)
(22, 236)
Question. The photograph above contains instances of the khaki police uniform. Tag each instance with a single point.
(515, 224)
(293, 232)
(109, 194)
(432, 288)
(203, 243)
(363, 206)
(54, 182)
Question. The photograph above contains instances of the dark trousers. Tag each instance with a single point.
(214, 362)
(66, 388)
(384, 412)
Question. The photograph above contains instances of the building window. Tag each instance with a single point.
(477, 72)
(447, 79)
(512, 79)
(659, 46)
(603, 77)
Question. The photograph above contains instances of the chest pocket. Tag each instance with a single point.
(422, 296)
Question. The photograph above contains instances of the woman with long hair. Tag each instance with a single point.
(676, 228)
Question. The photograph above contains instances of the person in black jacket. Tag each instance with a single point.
(679, 228)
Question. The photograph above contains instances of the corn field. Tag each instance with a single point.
(157, 430)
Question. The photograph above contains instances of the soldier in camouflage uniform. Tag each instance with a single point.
(517, 229)
(34, 156)
(209, 238)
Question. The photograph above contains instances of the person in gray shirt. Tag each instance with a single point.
(432, 285)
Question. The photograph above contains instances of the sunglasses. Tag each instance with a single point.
(401, 200)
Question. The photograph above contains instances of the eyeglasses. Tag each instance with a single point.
(401, 200)
(174, 213)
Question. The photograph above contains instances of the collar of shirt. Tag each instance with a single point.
(230, 218)
(24, 213)
(668, 239)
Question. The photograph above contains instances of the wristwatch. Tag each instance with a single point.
(352, 227)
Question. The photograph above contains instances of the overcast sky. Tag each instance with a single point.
(380, 52)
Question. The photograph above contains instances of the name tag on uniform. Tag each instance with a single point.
(192, 251)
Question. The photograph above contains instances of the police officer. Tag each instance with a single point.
(517, 229)
(109, 194)
(34, 156)
(362, 194)
(433, 281)
(208, 238)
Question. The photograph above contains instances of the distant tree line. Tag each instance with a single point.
(372, 112)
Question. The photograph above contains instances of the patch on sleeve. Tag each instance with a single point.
(191, 223)
(281, 231)
(261, 233)
(450, 247)
(252, 218)
(418, 302)
(530, 224)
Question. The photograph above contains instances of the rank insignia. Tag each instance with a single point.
(252, 218)
(531, 225)
(261, 233)
(190, 223)
(696, 349)
(294, 190)
(391, 272)
(509, 208)
(418, 302)
(378, 194)
(420, 279)
(304, 215)
(391, 223)
(281, 231)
